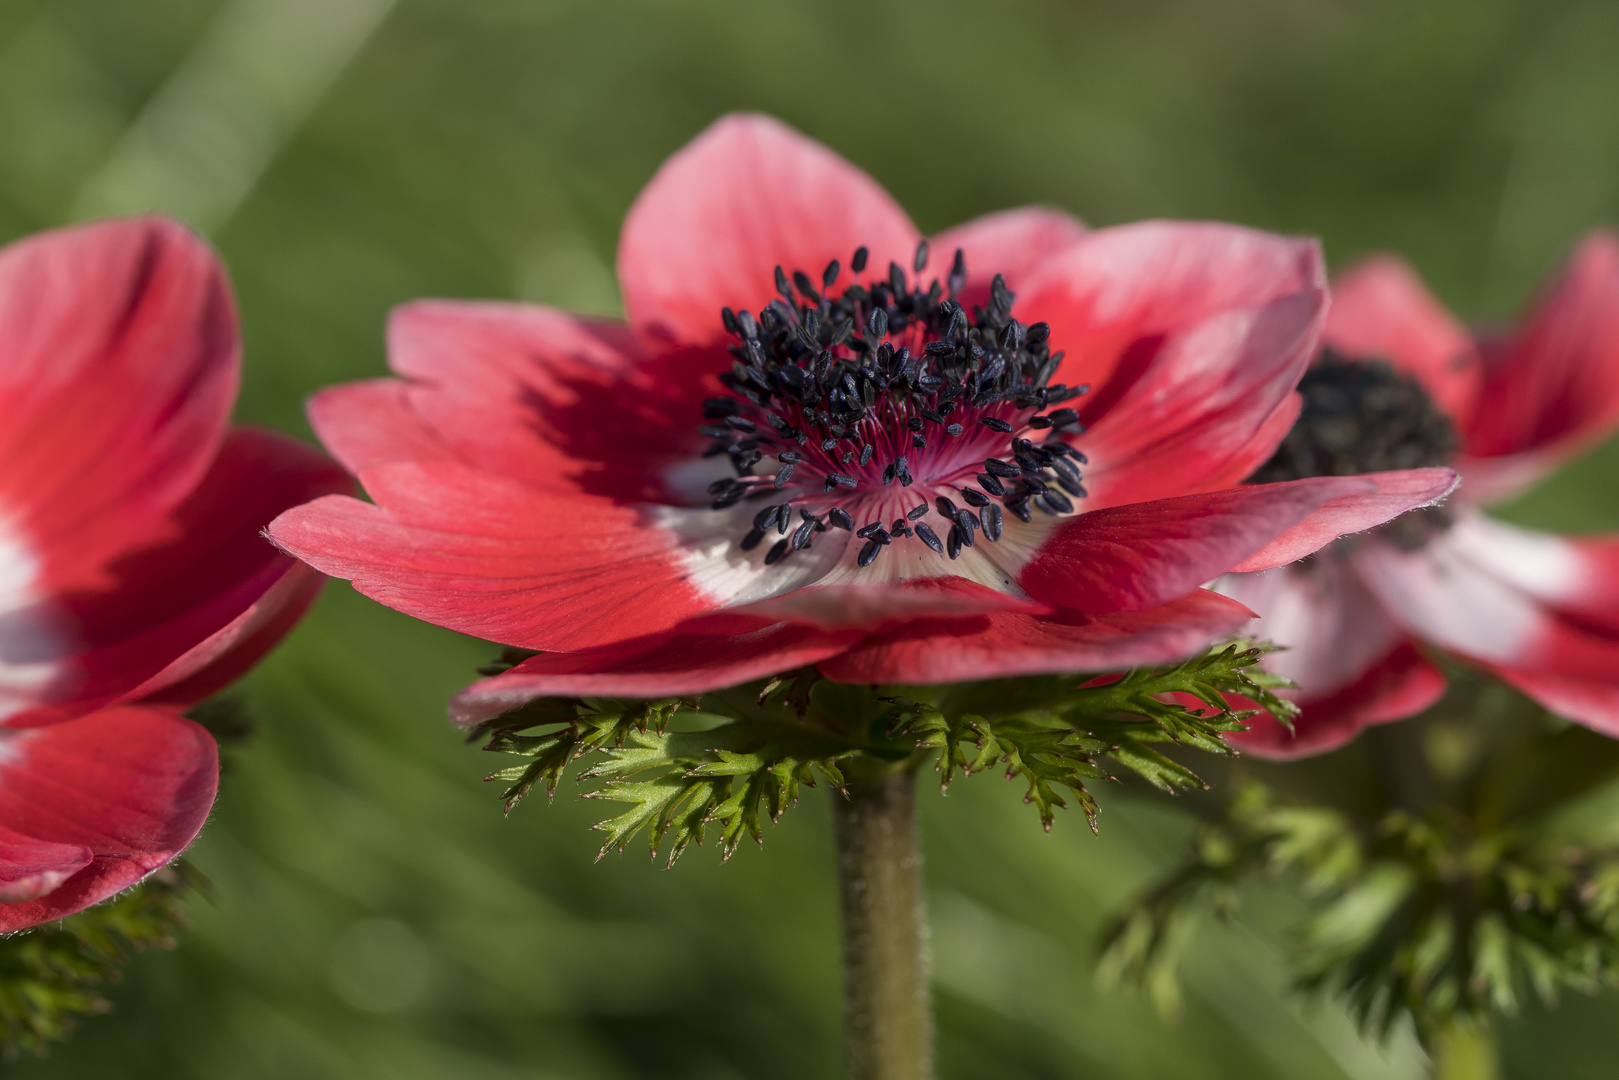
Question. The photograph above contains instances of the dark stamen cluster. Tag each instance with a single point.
(837, 394)
(1363, 416)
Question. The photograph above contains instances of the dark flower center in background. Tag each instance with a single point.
(870, 408)
(1364, 416)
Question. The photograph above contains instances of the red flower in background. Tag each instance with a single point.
(1539, 610)
(133, 576)
(814, 443)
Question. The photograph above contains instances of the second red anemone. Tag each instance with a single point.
(1403, 383)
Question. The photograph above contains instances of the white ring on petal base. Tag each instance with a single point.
(1330, 627)
(717, 566)
(33, 639)
(1541, 564)
(1477, 588)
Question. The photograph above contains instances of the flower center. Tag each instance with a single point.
(1364, 416)
(870, 408)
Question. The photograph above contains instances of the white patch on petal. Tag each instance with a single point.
(1476, 589)
(716, 564)
(995, 565)
(32, 639)
(1021, 541)
(1332, 628)
(1541, 564)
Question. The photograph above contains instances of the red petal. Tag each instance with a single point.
(1553, 390)
(1209, 407)
(559, 402)
(1392, 494)
(1399, 685)
(213, 597)
(710, 654)
(1122, 285)
(745, 196)
(1382, 311)
(365, 424)
(121, 363)
(1594, 591)
(551, 399)
(1003, 645)
(488, 556)
(1012, 243)
(1261, 446)
(1126, 558)
(1591, 702)
(1501, 595)
(231, 651)
(130, 785)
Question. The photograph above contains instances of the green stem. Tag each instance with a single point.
(1464, 1053)
(887, 1015)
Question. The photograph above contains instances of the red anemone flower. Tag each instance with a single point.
(1401, 383)
(819, 440)
(133, 576)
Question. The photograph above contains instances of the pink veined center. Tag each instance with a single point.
(887, 410)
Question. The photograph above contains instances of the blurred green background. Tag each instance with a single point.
(374, 916)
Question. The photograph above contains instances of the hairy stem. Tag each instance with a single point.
(887, 1020)
(1464, 1053)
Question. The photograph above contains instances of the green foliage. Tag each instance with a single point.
(686, 781)
(753, 747)
(1052, 733)
(1426, 915)
(1452, 925)
(578, 726)
(1141, 946)
(731, 758)
(52, 975)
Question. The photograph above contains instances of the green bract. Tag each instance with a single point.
(684, 765)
